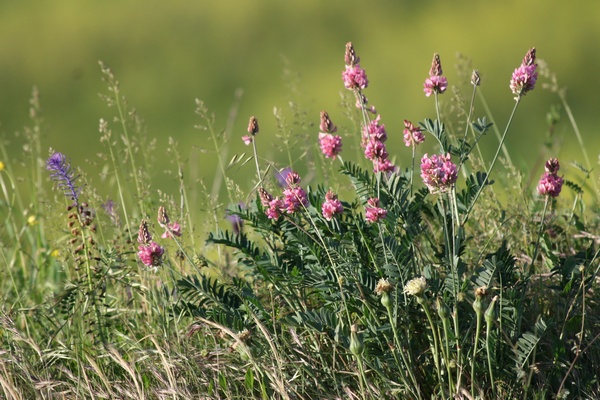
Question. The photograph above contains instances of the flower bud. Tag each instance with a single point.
(356, 344)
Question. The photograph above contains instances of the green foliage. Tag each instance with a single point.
(299, 303)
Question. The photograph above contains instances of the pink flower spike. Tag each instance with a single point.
(151, 255)
(295, 199)
(331, 145)
(373, 213)
(438, 172)
(525, 76)
(247, 139)
(436, 83)
(550, 183)
(355, 77)
(331, 206)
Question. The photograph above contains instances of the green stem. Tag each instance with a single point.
(489, 171)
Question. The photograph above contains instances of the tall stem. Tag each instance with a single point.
(489, 171)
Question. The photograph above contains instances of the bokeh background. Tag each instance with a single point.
(166, 54)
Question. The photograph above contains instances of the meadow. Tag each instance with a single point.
(403, 271)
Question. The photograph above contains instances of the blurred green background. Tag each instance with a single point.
(166, 54)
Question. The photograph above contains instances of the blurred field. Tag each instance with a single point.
(166, 54)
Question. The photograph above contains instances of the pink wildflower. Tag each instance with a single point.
(172, 229)
(525, 76)
(439, 173)
(550, 183)
(436, 83)
(331, 145)
(355, 77)
(385, 165)
(373, 212)
(275, 207)
(294, 196)
(412, 134)
(375, 131)
(331, 206)
(375, 150)
(151, 254)
(247, 139)
(294, 199)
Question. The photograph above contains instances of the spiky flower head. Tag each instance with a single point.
(144, 236)
(552, 166)
(475, 78)
(416, 287)
(163, 217)
(350, 56)
(253, 126)
(436, 66)
(383, 286)
(525, 76)
(436, 83)
(326, 126)
(265, 197)
(63, 175)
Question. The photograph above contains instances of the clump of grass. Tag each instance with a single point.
(376, 280)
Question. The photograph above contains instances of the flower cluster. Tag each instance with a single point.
(550, 183)
(354, 76)
(294, 198)
(412, 134)
(331, 206)
(373, 141)
(149, 252)
(373, 212)
(524, 77)
(439, 173)
(331, 145)
(436, 83)
(63, 174)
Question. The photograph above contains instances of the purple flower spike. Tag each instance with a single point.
(525, 76)
(436, 83)
(550, 183)
(439, 173)
(63, 175)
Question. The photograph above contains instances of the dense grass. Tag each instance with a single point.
(479, 288)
